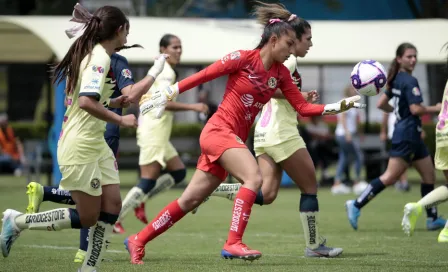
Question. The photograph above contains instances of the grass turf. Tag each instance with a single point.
(194, 243)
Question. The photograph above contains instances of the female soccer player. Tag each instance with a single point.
(156, 151)
(119, 69)
(86, 162)
(413, 210)
(253, 78)
(278, 145)
(407, 145)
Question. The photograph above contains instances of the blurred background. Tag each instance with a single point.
(344, 32)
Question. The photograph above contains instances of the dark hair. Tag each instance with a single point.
(395, 66)
(165, 41)
(264, 12)
(128, 47)
(102, 26)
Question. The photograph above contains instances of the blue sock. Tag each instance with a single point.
(259, 198)
(84, 239)
(373, 189)
(178, 175)
(146, 184)
(424, 190)
(308, 203)
(56, 195)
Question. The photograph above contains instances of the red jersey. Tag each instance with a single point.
(249, 87)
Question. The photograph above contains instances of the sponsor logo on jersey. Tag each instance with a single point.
(247, 100)
(416, 91)
(126, 73)
(235, 55)
(97, 69)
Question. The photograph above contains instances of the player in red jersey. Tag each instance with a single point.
(253, 78)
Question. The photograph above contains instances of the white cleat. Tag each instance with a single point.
(10, 232)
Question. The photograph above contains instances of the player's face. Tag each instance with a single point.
(174, 50)
(408, 60)
(283, 47)
(122, 35)
(304, 44)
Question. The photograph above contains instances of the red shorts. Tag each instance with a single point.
(214, 141)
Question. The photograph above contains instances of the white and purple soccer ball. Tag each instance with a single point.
(368, 77)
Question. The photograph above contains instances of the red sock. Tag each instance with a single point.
(162, 222)
(242, 207)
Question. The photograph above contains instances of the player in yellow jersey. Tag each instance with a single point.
(88, 166)
(278, 145)
(160, 164)
(413, 210)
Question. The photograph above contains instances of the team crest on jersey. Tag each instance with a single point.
(272, 82)
(95, 183)
(126, 73)
(98, 69)
(416, 91)
(238, 139)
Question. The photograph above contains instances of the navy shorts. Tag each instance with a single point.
(409, 151)
(113, 143)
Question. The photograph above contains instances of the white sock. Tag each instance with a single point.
(98, 235)
(227, 190)
(310, 229)
(163, 183)
(132, 200)
(435, 197)
(52, 220)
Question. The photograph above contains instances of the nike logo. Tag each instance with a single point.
(113, 81)
(253, 77)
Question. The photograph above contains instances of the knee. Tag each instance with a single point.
(388, 179)
(112, 205)
(88, 218)
(188, 203)
(269, 197)
(254, 181)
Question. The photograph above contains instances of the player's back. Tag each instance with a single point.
(248, 88)
(152, 130)
(406, 91)
(81, 140)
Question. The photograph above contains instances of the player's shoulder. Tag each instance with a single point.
(406, 78)
(118, 59)
(100, 55)
(291, 63)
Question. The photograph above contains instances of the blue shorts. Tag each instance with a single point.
(409, 151)
(113, 143)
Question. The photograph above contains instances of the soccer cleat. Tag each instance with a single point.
(118, 228)
(136, 252)
(141, 214)
(195, 210)
(443, 236)
(80, 256)
(353, 213)
(340, 189)
(323, 251)
(411, 213)
(10, 232)
(435, 224)
(35, 193)
(240, 251)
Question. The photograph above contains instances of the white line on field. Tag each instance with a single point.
(268, 255)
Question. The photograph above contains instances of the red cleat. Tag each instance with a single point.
(141, 214)
(136, 252)
(118, 228)
(240, 251)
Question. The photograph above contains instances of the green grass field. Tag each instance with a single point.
(194, 243)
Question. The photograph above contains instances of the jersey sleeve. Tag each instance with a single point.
(295, 98)
(412, 92)
(226, 65)
(291, 64)
(123, 73)
(94, 75)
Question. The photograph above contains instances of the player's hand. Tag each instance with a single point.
(128, 121)
(120, 102)
(312, 96)
(159, 63)
(343, 105)
(156, 99)
(201, 108)
(438, 107)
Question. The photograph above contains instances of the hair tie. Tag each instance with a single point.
(292, 17)
(273, 21)
(81, 16)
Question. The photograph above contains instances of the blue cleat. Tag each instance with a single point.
(10, 232)
(353, 213)
(435, 224)
(239, 251)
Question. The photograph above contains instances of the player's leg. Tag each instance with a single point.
(83, 182)
(38, 194)
(395, 169)
(359, 184)
(344, 152)
(200, 186)
(443, 235)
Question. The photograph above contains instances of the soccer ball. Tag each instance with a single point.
(368, 77)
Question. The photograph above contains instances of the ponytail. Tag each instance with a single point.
(392, 73)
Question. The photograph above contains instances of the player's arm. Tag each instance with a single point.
(178, 106)
(414, 98)
(383, 102)
(92, 84)
(291, 64)
(384, 123)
